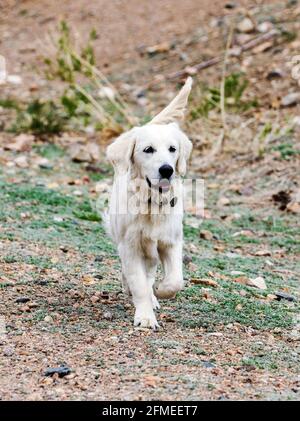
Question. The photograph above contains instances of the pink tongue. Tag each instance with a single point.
(164, 184)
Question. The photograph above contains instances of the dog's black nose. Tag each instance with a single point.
(166, 171)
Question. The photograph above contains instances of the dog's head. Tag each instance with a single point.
(157, 151)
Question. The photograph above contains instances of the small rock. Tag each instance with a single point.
(223, 201)
(22, 300)
(48, 319)
(275, 74)
(262, 253)
(258, 282)
(62, 371)
(77, 193)
(236, 273)
(8, 351)
(265, 27)
(108, 315)
(21, 161)
(206, 235)
(290, 99)
(95, 299)
(187, 259)
(64, 249)
(283, 296)
(208, 364)
(107, 92)
(239, 307)
(245, 26)
(45, 164)
(22, 143)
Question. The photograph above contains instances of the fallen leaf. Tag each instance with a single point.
(207, 282)
(152, 381)
(293, 207)
(263, 47)
(88, 280)
(163, 47)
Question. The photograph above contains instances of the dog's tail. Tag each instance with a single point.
(176, 109)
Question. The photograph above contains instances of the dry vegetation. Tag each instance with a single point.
(78, 76)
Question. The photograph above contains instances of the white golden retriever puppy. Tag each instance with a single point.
(146, 206)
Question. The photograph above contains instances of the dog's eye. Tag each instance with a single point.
(172, 149)
(149, 149)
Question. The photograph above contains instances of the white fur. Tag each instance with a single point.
(143, 238)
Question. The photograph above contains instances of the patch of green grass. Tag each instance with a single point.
(194, 311)
(234, 88)
(49, 150)
(287, 150)
(39, 117)
(79, 227)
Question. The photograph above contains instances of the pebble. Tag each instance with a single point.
(22, 300)
(265, 27)
(62, 371)
(291, 99)
(77, 193)
(187, 259)
(108, 315)
(245, 26)
(283, 296)
(208, 364)
(206, 235)
(275, 74)
(8, 351)
(45, 164)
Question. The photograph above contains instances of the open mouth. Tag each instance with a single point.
(162, 185)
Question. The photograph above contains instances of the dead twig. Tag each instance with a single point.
(211, 62)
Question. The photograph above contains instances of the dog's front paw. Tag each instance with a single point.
(145, 318)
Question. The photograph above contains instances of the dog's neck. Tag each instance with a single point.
(154, 201)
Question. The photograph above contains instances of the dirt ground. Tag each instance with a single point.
(61, 300)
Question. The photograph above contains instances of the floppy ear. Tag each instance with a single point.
(120, 152)
(185, 149)
(176, 109)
